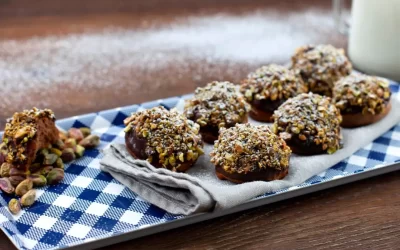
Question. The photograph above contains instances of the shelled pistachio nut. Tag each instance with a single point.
(85, 131)
(59, 164)
(90, 141)
(59, 144)
(79, 151)
(29, 198)
(70, 143)
(50, 159)
(24, 187)
(5, 169)
(14, 206)
(38, 180)
(45, 170)
(5, 186)
(75, 133)
(18, 172)
(56, 151)
(35, 167)
(55, 176)
(15, 180)
(68, 155)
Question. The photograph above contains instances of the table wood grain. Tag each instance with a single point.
(88, 55)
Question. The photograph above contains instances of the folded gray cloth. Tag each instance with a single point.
(200, 190)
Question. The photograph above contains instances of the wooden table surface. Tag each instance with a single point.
(88, 55)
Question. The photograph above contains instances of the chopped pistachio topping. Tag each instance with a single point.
(321, 66)
(309, 116)
(21, 129)
(170, 136)
(218, 104)
(273, 82)
(358, 92)
(246, 148)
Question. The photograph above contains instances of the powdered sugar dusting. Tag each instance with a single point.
(113, 58)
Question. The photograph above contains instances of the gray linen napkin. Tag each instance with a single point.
(200, 190)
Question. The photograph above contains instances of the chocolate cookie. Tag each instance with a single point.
(321, 66)
(165, 138)
(309, 124)
(268, 87)
(250, 153)
(217, 105)
(362, 99)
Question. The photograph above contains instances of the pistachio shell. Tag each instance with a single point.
(29, 198)
(5, 186)
(90, 141)
(55, 176)
(5, 169)
(14, 206)
(85, 131)
(56, 151)
(75, 133)
(68, 155)
(79, 151)
(50, 159)
(15, 180)
(24, 187)
(38, 180)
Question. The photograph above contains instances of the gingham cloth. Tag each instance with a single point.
(90, 205)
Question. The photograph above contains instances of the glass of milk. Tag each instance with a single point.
(374, 36)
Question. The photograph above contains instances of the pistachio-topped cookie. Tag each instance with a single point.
(268, 87)
(217, 105)
(362, 99)
(27, 132)
(309, 124)
(164, 138)
(250, 153)
(321, 66)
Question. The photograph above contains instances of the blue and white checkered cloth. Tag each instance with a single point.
(89, 204)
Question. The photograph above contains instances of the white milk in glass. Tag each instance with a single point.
(374, 37)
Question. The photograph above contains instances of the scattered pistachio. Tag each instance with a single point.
(15, 180)
(38, 180)
(5, 169)
(79, 151)
(50, 159)
(59, 144)
(28, 198)
(5, 186)
(18, 172)
(90, 141)
(59, 163)
(24, 187)
(75, 133)
(45, 170)
(56, 151)
(68, 155)
(35, 167)
(85, 132)
(14, 206)
(70, 143)
(55, 176)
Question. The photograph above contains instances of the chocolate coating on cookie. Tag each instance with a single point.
(268, 87)
(164, 138)
(321, 66)
(249, 153)
(217, 105)
(309, 124)
(361, 99)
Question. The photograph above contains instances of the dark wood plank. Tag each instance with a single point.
(44, 62)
